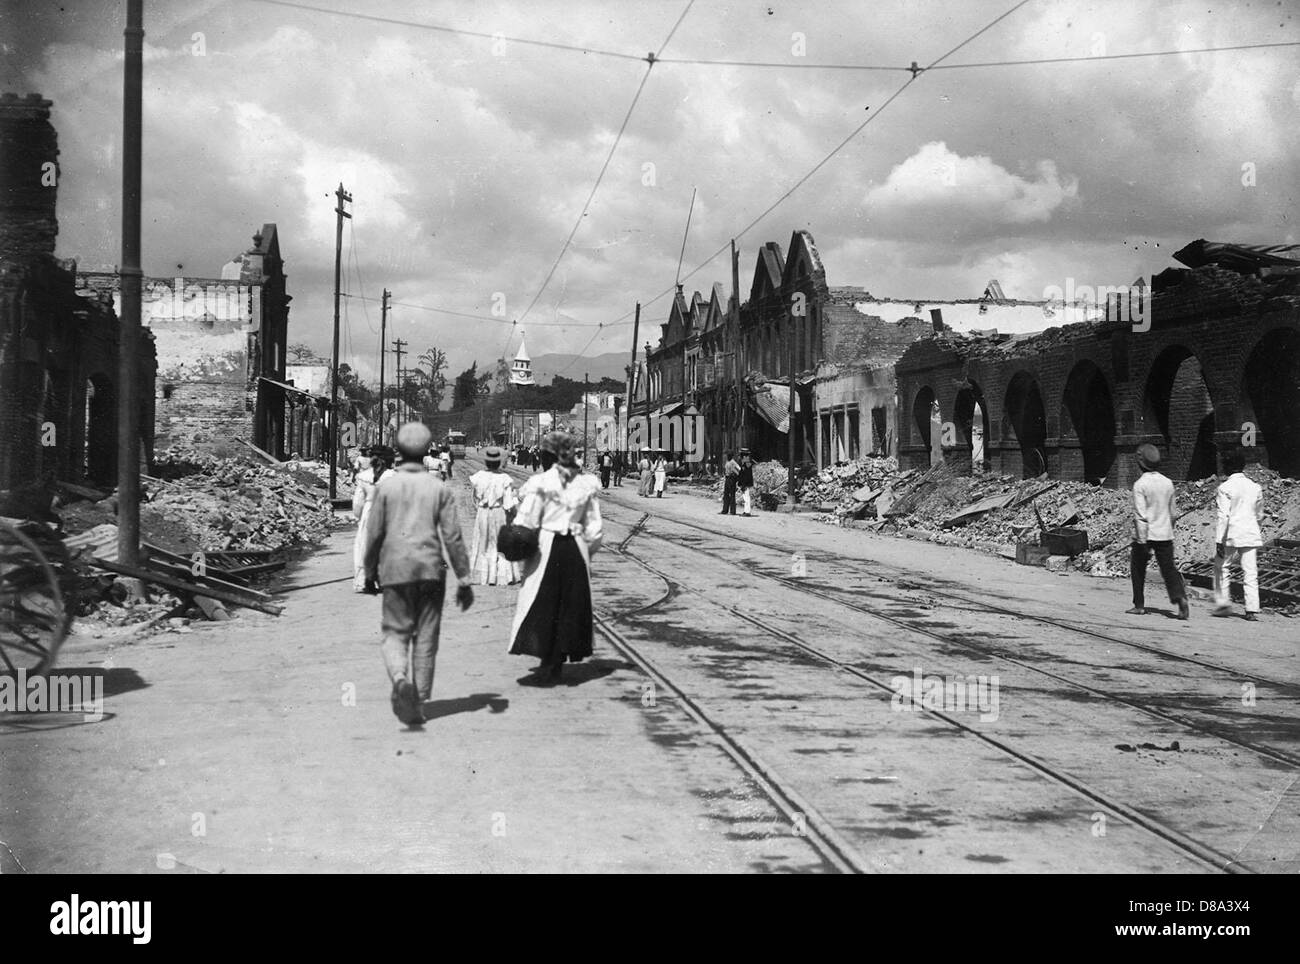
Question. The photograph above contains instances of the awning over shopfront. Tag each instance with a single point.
(286, 386)
(774, 406)
(671, 409)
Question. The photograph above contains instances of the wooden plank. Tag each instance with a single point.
(185, 571)
(94, 495)
(266, 456)
(170, 582)
(256, 569)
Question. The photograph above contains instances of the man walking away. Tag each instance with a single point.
(412, 521)
(606, 466)
(1153, 525)
(1236, 534)
(730, 473)
(618, 467)
(745, 481)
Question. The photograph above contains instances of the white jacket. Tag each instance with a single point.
(1240, 512)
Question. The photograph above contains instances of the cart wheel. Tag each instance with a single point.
(34, 615)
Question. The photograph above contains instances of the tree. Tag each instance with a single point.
(502, 377)
(304, 354)
(434, 382)
(465, 389)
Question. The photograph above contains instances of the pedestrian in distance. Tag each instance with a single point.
(1236, 534)
(745, 481)
(412, 525)
(647, 477)
(495, 501)
(1153, 533)
(730, 474)
(606, 467)
(620, 465)
(661, 476)
(553, 614)
(363, 497)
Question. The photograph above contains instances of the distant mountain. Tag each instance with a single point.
(596, 367)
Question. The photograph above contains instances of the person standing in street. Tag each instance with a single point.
(363, 496)
(661, 476)
(730, 473)
(745, 481)
(647, 476)
(494, 497)
(412, 524)
(553, 615)
(1153, 533)
(606, 467)
(1237, 535)
(619, 465)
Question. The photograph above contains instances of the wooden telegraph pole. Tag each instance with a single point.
(383, 351)
(398, 345)
(343, 197)
(585, 379)
(789, 484)
(631, 378)
(128, 388)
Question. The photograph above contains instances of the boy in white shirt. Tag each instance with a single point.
(1237, 535)
(1153, 533)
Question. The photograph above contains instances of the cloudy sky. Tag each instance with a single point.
(470, 158)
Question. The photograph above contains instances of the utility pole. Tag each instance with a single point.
(128, 402)
(383, 351)
(736, 429)
(789, 484)
(585, 379)
(343, 197)
(631, 376)
(398, 345)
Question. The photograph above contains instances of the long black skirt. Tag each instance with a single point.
(558, 626)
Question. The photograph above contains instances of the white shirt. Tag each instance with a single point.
(1153, 508)
(1239, 512)
(545, 502)
(493, 490)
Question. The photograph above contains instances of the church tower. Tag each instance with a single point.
(521, 370)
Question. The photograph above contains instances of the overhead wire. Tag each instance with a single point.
(608, 157)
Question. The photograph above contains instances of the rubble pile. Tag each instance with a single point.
(840, 482)
(210, 503)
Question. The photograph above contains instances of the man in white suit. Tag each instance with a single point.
(1236, 535)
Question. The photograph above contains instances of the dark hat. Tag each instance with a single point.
(493, 454)
(744, 451)
(1148, 457)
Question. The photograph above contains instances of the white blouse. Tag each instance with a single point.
(547, 503)
(492, 490)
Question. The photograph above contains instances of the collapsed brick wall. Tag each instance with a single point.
(1223, 320)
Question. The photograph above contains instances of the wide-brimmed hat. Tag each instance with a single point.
(493, 454)
(1148, 457)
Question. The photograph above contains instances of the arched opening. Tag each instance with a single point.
(970, 412)
(101, 430)
(1027, 420)
(1272, 383)
(1090, 409)
(925, 409)
(1178, 406)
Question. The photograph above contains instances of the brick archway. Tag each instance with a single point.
(1178, 405)
(970, 400)
(1088, 408)
(1026, 417)
(1270, 392)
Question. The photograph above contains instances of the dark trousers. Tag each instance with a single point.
(604, 477)
(729, 495)
(1164, 553)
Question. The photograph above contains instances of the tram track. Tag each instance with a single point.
(822, 835)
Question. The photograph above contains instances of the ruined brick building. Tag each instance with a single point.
(1218, 366)
(58, 349)
(221, 346)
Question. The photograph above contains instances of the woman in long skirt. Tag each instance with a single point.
(553, 616)
(495, 499)
(363, 497)
(661, 476)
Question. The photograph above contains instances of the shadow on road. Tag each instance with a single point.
(435, 709)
